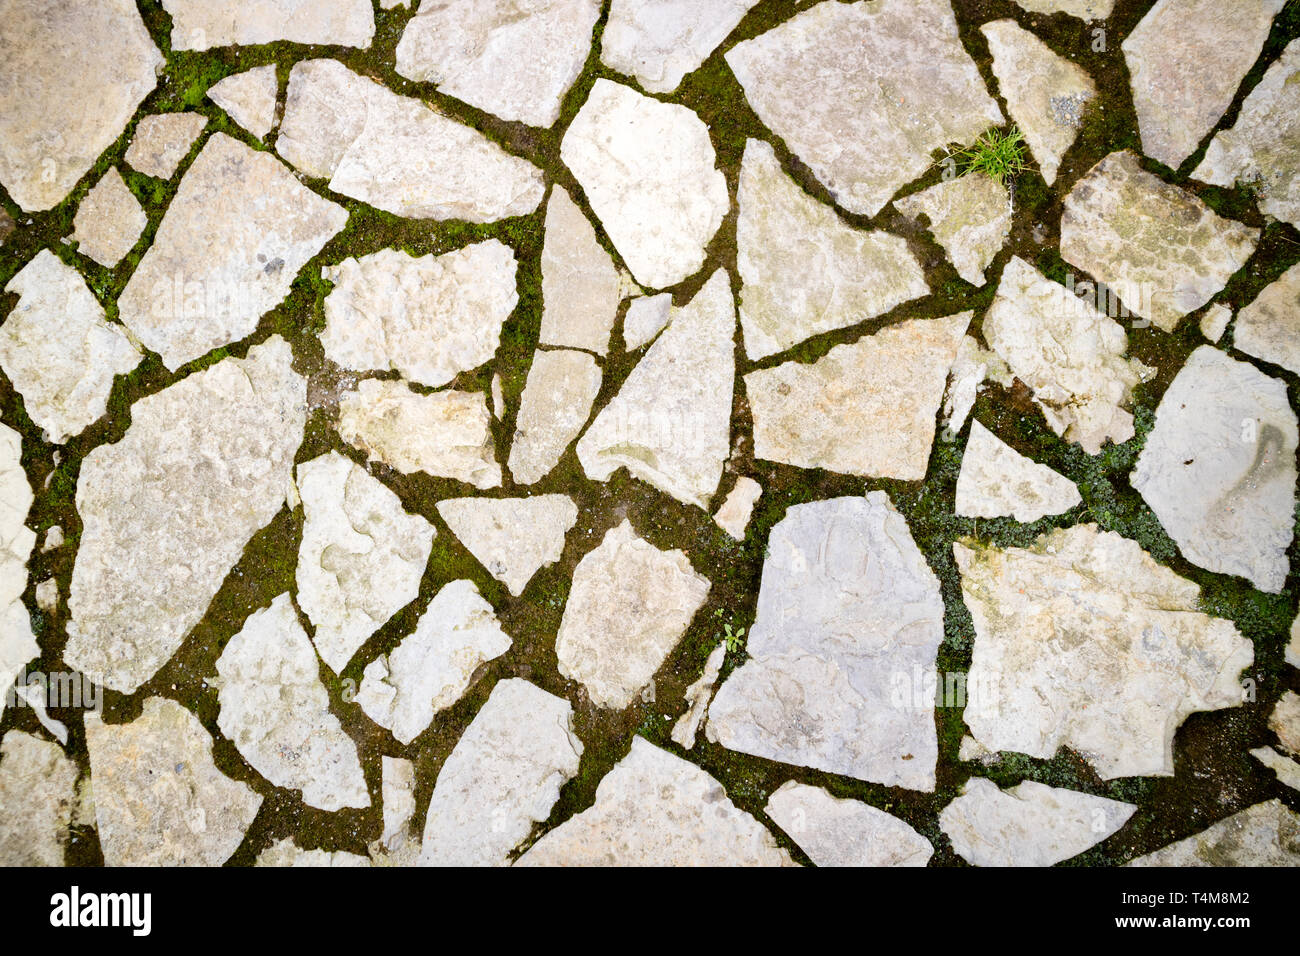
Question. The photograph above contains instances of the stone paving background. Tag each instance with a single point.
(1214, 774)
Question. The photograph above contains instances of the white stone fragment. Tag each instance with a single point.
(1215, 322)
(249, 98)
(72, 73)
(446, 434)
(159, 798)
(733, 516)
(996, 481)
(59, 350)
(361, 558)
(970, 216)
(1087, 10)
(1267, 834)
(37, 794)
(502, 778)
(400, 843)
(513, 538)
(109, 221)
(973, 366)
(1285, 722)
(167, 510)
(556, 404)
(838, 832)
(1218, 468)
(655, 809)
(804, 271)
(1269, 327)
(287, 853)
(670, 424)
(161, 141)
(47, 595)
(1292, 654)
(428, 317)
(817, 82)
(649, 172)
(17, 643)
(396, 153)
(433, 667)
(847, 609)
(497, 394)
(1030, 824)
(1287, 770)
(697, 699)
(629, 606)
(53, 539)
(659, 41)
(1083, 641)
(516, 60)
(865, 408)
(276, 711)
(204, 24)
(646, 317)
(580, 285)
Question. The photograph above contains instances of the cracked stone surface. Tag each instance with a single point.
(1185, 60)
(1030, 824)
(814, 81)
(513, 538)
(37, 797)
(503, 776)
(970, 216)
(361, 558)
(429, 317)
(996, 481)
(159, 798)
(1218, 468)
(581, 287)
(655, 809)
(433, 667)
(162, 141)
(1159, 248)
(847, 604)
(56, 56)
(1269, 327)
(516, 60)
(839, 832)
(648, 170)
(166, 511)
(204, 24)
(659, 41)
(249, 98)
(396, 153)
(17, 643)
(1083, 641)
(276, 711)
(59, 350)
(109, 221)
(557, 400)
(629, 606)
(803, 270)
(234, 238)
(866, 408)
(1267, 834)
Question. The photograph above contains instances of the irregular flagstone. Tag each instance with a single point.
(428, 317)
(655, 809)
(646, 317)
(649, 172)
(1088, 10)
(1069, 354)
(17, 643)
(557, 399)
(1215, 322)
(159, 798)
(804, 271)
(816, 82)
(580, 284)
(515, 60)
(38, 789)
(513, 538)
(1269, 328)
(837, 832)
(1285, 721)
(433, 667)
(733, 516)
(276, 711)
(204, 24)
(1287, 771)
(361, 558)
(847, 604)
(56, 58)
(167, 510)
(1185, 60)
(1030, 824)
(1161, 250)
(287, 853)
(162, 141)
(400, 843)
(1083, 641)
(1267, 834)
(1262, 149)
(233, 240)
(973, 366)
(996, 481)
(503, 776)
(249, 98)
(865, 408)
(629, 605)
(660, 41)
(445, 434)
(1045, 93)
(697, 699)
(1218, 468)
(109, 221)
(59, 350)
(396, 153)
(970, 216)
(670, 424)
